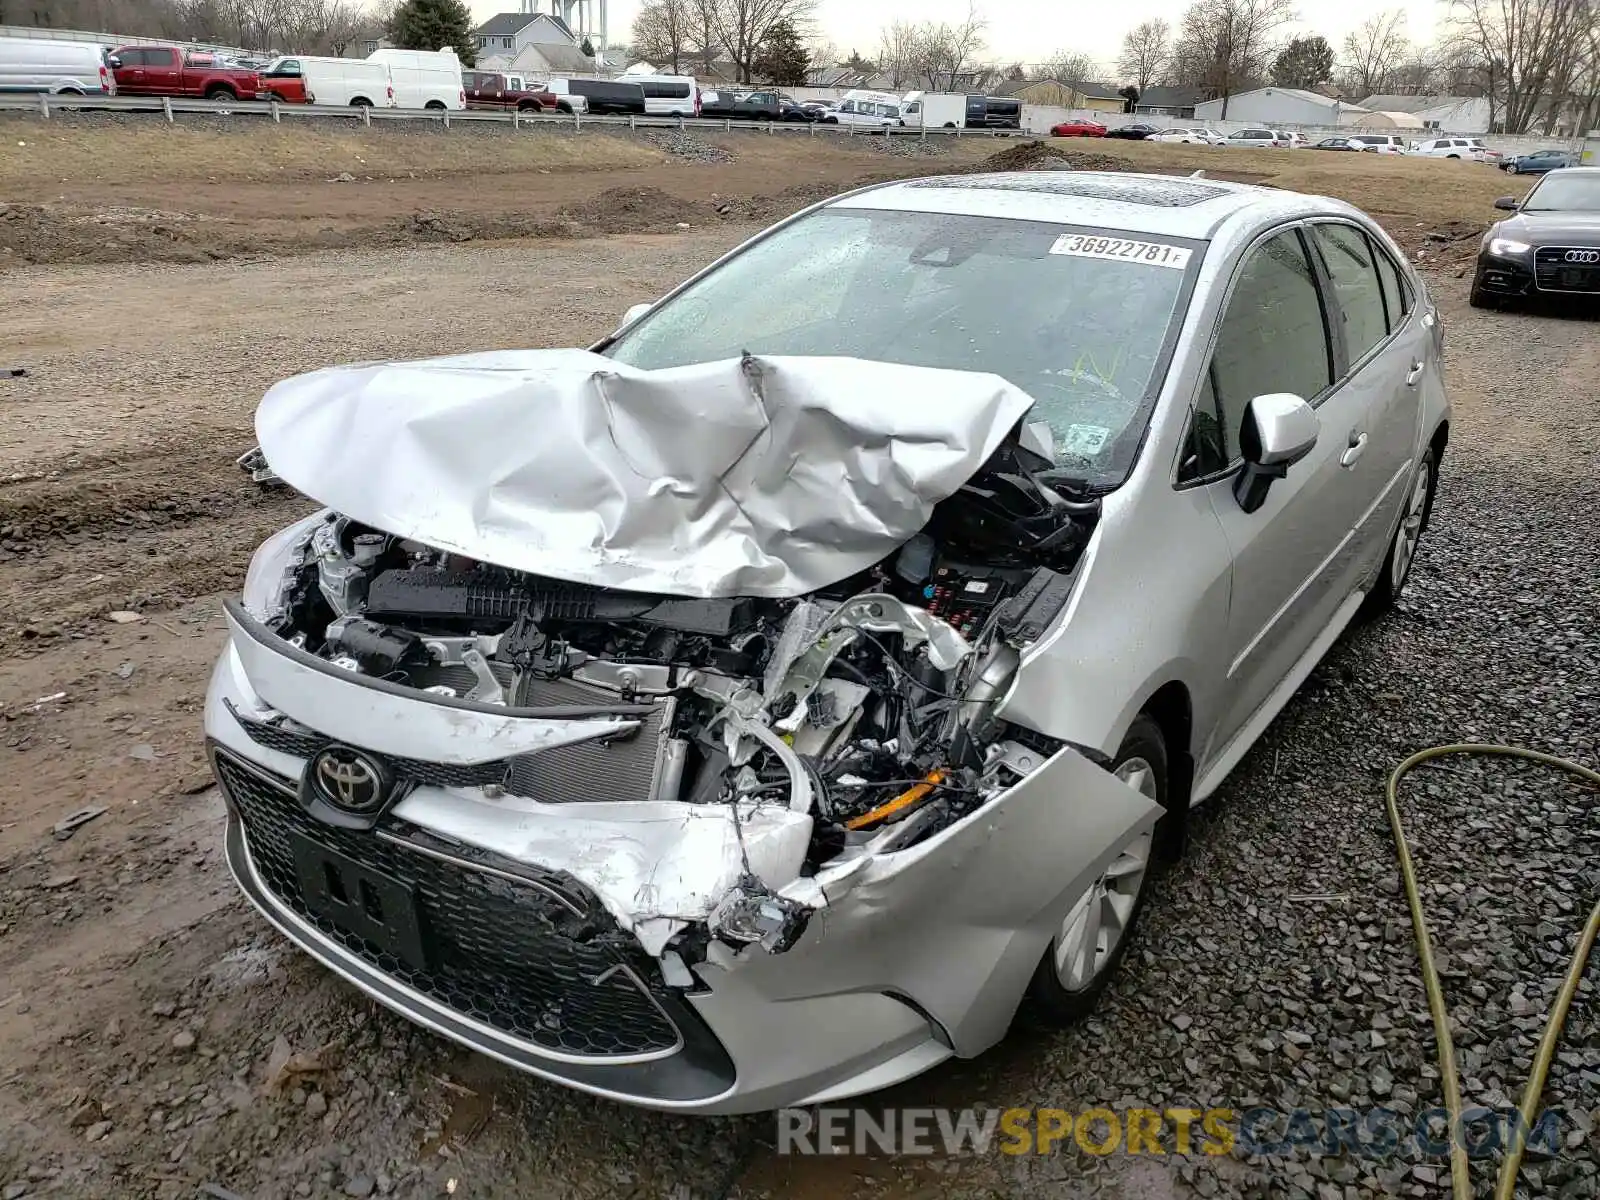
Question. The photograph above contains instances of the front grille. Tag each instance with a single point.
(1554, 273)
(508, 952)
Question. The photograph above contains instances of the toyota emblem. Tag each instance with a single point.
(348, 779)
(1583, 256)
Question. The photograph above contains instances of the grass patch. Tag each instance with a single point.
(252, 149)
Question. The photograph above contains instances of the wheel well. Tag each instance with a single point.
(434, 104)
(221, 89)
(1171, 709)
(360, 102)
(1441, 438)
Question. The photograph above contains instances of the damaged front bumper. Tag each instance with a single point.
(538, 933)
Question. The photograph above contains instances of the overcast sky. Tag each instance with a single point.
(1029, 30)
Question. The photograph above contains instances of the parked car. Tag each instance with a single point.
(1539, 162)
(1079, 127)
(669, 95)
(1379, 143)
(173, 71)
(933, 110)
(1336, 143)
(339, 82)
(1253, 138)
(615, 97)
(1549, 248)
(1134, 133)
(62, 68)
(637, 791)
(427, 79)
(742, 105)
(1453, 147)
(1291, 139)
(1189, 137)
(994, 112)
(495, 91)
(867, 109)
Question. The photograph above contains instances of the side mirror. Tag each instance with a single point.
(633, 314)
(1279, 430)
(1509, 203)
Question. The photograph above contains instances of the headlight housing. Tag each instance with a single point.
(265, 574)
(1508, 246)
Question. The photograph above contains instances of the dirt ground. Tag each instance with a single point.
(155, 1038)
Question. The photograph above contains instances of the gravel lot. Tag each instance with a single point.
(155, 1038)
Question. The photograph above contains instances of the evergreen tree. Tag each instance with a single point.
(782, 58)
(433, 25)
(1304, 63)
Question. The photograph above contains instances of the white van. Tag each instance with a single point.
(70, 68)
(934, 110)
(423, 78)
(873, 109)
(346, 81)
(667, 95)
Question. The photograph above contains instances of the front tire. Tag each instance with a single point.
(1402, 555)
(1093, 938)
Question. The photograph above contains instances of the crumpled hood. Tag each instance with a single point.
(755, 477)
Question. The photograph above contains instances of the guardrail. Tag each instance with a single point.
(172, 107)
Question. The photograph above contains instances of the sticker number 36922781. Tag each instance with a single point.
(1152, 254)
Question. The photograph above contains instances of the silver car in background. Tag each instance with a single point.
(756, 709)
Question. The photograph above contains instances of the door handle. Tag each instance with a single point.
(1357, 447)
(1414, 374)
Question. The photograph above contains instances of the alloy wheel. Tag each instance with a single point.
(1094, 926)
(1410, 532)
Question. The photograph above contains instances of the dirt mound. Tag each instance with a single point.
(33, 233)
(1042, 156)
(632, 210)
(1443, 244)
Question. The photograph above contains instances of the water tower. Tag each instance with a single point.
(586, 18)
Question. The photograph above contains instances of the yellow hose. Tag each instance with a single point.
(1460, 1180)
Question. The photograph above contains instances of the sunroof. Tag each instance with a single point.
(1130, 189)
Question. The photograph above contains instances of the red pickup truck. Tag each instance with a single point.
(492, 90)
(172, 71)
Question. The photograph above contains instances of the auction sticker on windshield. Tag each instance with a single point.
(1154, 254)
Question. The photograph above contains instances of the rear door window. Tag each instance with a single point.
(1357, 292)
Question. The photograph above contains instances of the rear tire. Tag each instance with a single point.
(435, 105)
(1095, 932)
(1397, 563)
(221, 96)
(360, 102)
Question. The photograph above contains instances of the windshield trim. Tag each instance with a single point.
(1160, 367)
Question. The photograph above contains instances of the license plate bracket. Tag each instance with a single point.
(359, 900)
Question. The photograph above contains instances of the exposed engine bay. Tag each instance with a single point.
(868, 706)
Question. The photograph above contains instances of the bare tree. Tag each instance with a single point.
(743, 25)
(1069, 66)
(945, 51)
(663, 33)
(704, 39)
(1527, 47)
(1227, 46)
(1372, 53)
(898, 50)
(1146, 53)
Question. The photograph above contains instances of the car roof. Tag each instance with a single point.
(1167, 205)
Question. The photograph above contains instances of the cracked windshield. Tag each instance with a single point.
(1075, 318)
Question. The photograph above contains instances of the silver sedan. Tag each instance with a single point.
(757, 708)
